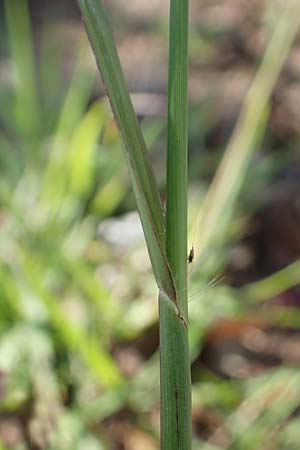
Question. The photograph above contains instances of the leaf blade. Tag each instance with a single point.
(136, 153)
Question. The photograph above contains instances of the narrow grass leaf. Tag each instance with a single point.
(90, 350)
(54, 182)
(77, 97)
(82, 147)
(27, 108)
(228, 179)
(273, 285)
(136, 153)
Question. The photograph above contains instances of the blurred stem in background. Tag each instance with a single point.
(26, 103)
(219, 203)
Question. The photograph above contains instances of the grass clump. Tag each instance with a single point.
(61, 174)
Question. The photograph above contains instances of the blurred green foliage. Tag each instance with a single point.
(70, 299)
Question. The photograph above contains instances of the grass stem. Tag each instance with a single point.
(174, 347)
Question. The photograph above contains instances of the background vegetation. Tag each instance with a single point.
(78, 321)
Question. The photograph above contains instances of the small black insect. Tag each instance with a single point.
(191, 255)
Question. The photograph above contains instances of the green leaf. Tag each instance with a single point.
(218, 205)
(27, 108)
(136, 153)
(89, 349)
